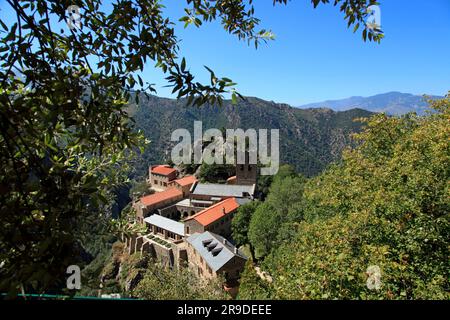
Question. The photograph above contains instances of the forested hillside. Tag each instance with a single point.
(392, 103)
(374, 226)
(384, 207)
(309, 139)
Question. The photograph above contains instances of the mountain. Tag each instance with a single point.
(393, 103)
(309, 139)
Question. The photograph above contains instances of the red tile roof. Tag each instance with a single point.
(186, 180)
(168, 194)
(215, 212)
(163, 170)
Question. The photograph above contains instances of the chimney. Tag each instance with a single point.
(224, 241)
(223, 210)
(235, 250)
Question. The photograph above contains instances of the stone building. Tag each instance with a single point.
(246, 174)
(157, 201)
(186, 209)
(206, 211)
(204, 195)
(160, 177)
(166, 228)
(166, 240)
(216, 218)
(207, 194)
(184, 184)
(210, 255)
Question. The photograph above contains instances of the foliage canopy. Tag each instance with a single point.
(65, 135)
(385, 205)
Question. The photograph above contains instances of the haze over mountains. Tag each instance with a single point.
(392, 103)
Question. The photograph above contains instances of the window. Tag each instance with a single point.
(155, 181)
(171, 235)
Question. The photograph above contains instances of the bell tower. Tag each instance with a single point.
(246, 174)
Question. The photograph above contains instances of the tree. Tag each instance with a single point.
(268, 218)
(252, 287)
(216, 173)
(65, 134)
(162, 283)
(389, 212)
(240, 225)
(139, 189)
(264, 182)
(285, 170)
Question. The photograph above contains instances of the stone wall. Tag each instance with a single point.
(233, 268)
(197, 264)
(221, 226)
(168, 212)
(192, 226)
(163, 254)
(172, 256)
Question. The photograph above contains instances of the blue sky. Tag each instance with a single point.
(315, 57)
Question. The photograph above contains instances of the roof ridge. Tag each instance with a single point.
(238, 253)
(227, 185)
(214, 261)
(166, 194)
(184, 177)
(164, 191)
(214, 235)
(210, 207)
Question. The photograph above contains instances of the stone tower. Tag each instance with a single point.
(246, 174)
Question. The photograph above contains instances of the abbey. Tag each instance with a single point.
(188, 223)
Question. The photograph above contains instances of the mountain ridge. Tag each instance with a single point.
(309, 139)
(392, 103)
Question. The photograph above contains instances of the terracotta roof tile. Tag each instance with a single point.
(215, 212)
(152, 199)
(163, 170)
(186, 180)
